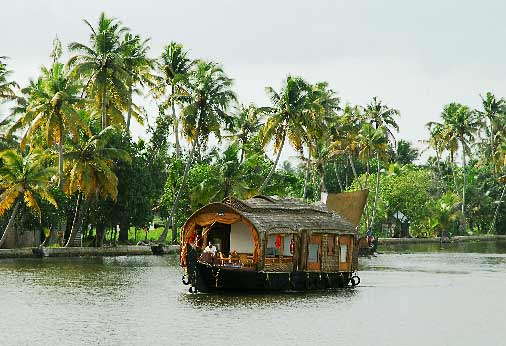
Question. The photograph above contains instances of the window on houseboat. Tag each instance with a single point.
(279, 245)
(344, 253)
(313, 254)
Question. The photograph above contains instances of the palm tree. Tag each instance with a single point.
(459, 127)
(138, 66)
(372, 141)
(321, 107)
(208, 95)
(287, 118)
(51, 104)
(22, 179)
(6, 86)
(174, 67)
(89, 173)
(499, 162)
(102, 65)
(246, 122)
(344, 132)
(382, 118)
(493, 110)
(227, 178)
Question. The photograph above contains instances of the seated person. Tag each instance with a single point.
(210, 249)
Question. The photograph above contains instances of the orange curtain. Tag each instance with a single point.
(208, 219)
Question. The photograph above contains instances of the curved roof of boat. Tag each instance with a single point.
(272, 214)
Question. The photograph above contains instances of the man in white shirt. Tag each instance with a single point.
(210, 249)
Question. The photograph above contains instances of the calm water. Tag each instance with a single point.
(413, 296)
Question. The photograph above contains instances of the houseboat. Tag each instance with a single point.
(272, 244)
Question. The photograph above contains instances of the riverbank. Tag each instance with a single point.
(456, 239)
(126, 250)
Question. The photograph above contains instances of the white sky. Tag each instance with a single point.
(416, 56)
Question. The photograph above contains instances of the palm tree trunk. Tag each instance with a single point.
(355, 172)
(78, 217)
(104, 106)
(323, 185)
(10, 224)
(264, 184)
(60, 159)
(306, 177)
(130, 102)
(241, 158)
(175, 122)
(376, 191)
(464, 189)
(170, 219)
(338, 178)
(492, 225)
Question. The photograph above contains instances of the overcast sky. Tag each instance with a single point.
(416, 56)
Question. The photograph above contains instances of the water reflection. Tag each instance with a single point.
(497, 247)
(416, 296)
(229, 301)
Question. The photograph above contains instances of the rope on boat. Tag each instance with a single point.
(267, 282)
(216, 276)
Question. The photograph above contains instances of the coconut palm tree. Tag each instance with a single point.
(102, 65)
(6, 86)
(90, 174)
(138, 66)
(459, 127)
(372, 141)
(288, 118)
(207, 96)
(493, 110)
(21, 180)
(322, 108)
(246, 122)
(51, 105)
(344, 132)
(174, 67)
(382, 118)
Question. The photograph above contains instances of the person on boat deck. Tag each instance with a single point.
(370, 237)
(210, 249)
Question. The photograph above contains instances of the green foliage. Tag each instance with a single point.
(407, 189)
(126, 182)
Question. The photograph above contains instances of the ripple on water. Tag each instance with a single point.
(408, 298)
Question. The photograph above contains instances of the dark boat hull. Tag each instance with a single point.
(209, 278)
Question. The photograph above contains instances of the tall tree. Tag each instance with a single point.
(382, 118)
(208, 95)
(139, 70)
(51, 104)
(174, 67)
(90, 173)
(287, 119)
(494, 112)
(7, 87)
(344, 136)
(459, 127)
(22, 179)
(101, 63)
(321, 109)
(246, 122)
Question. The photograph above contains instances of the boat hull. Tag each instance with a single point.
(209, 278)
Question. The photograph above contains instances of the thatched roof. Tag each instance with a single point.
(271, 214)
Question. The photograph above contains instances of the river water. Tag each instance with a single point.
(417, 295)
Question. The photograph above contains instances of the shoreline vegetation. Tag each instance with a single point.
(70, 169)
